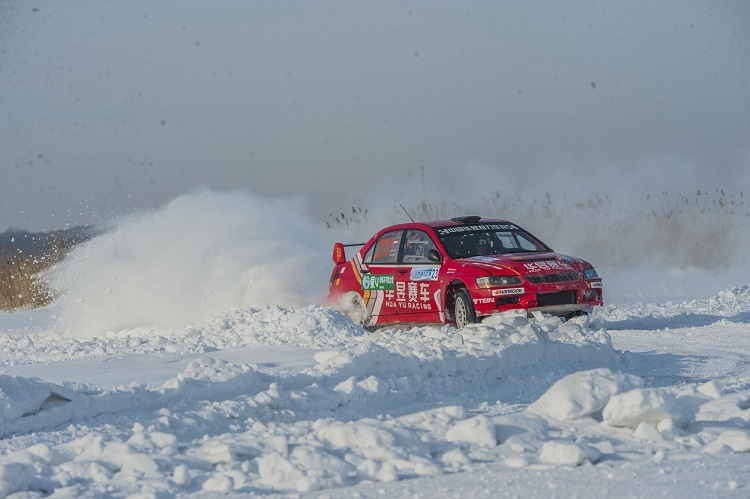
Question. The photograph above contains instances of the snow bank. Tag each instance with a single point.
(727, 305)
(504, 355)
(276, 453)
(299, 431)
(378, 407)
(583, 394)
(20, 396)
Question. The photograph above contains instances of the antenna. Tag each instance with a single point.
(407, 213)
(421, 178)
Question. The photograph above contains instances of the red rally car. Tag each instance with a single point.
(457, 272)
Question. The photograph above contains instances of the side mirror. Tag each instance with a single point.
(433, 256)
(339, 256)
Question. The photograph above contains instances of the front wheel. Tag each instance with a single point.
(463, 309)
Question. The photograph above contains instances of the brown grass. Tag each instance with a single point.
(21, 285)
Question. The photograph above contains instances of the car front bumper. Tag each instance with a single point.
(562, 309)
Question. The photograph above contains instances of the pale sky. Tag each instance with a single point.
(109, 107)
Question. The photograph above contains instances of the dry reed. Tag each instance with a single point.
(701, 230)
(21, 283)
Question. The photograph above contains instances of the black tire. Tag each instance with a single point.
(463, 309)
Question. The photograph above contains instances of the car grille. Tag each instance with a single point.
(561, 298)
(550, 278)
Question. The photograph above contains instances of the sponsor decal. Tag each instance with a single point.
(411, 296)
(378, 282)
(483, 300)
(424, 274)
(507, 291)
(485, 259)
(596, 284)
(474, 228)
(546, 265)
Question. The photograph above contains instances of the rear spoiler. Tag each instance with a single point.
(339, 255)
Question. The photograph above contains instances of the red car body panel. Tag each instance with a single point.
(398, 287)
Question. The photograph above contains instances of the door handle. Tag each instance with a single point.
(402, 271)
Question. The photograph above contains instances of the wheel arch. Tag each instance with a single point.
(450, 293)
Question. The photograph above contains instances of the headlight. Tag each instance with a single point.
(497, 281)
(589, 274)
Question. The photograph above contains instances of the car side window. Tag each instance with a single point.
(385, 250)
(526, 243)
(417, 244)
(506, 240)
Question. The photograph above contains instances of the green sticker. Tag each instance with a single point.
(378, 282)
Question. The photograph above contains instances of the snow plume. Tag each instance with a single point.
(201, 254)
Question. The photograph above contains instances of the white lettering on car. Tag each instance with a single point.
(424, 291)
(401, 291)
(507, 291)
(473, 228)
(547, 265)
(483, 300)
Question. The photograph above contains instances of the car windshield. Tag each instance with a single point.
(493, 239)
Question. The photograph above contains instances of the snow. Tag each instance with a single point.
(643, 398)
(275, 399)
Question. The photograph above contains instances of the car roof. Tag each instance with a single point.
(472, 221)
(454, 222)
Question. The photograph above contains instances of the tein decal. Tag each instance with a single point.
(483, 300)
(378, 282)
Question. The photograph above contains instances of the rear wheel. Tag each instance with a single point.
(353, 306)
(463, 309)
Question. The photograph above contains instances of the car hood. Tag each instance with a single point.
(525, 263)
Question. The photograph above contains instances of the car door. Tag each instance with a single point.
(421, 298)
(381, 281)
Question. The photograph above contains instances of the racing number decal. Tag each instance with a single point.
(383, 248)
